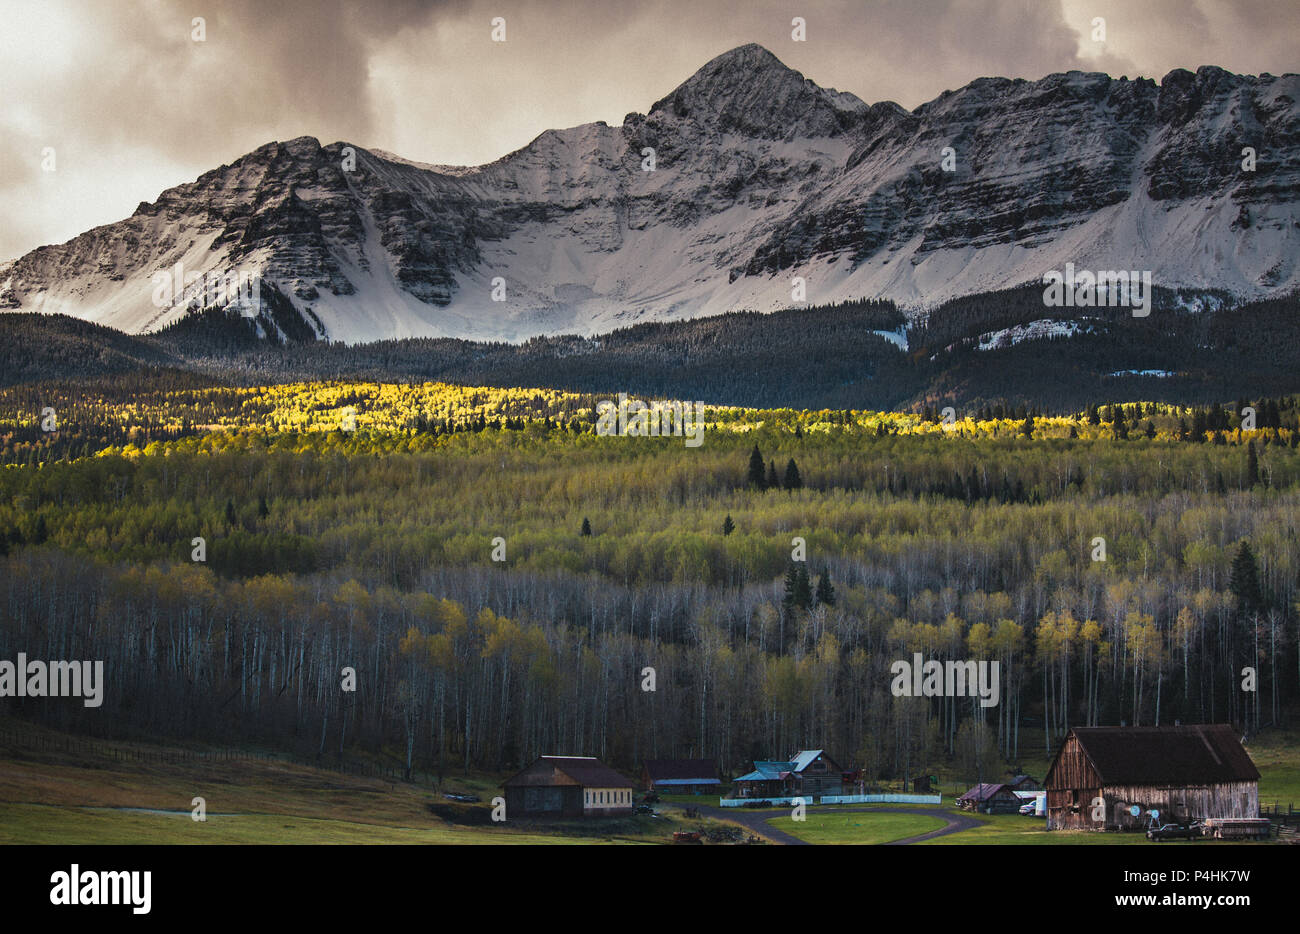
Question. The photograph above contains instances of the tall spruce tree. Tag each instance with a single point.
(1244, 582)
(792, 479)
(791, 586)
(825, 594)
(755, 477)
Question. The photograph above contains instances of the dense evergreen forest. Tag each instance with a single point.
(499, 576)
(857, 355)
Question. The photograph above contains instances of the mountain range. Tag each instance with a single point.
(743, 178)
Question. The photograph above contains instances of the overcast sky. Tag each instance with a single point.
(132, 105)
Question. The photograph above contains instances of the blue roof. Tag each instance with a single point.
(767, 772)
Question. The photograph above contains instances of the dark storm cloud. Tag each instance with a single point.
(133, 106)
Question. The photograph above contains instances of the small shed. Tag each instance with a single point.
(1112, 778)
(990, 798)
(680, 776)
(568, 786)
(1025, 783)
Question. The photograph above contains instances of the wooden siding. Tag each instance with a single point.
(820, 777)
(1073, 785)
(538, 800)
(1071, 768)
(1181, 803)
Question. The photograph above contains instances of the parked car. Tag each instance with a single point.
(1028, 808)
(1188, 831)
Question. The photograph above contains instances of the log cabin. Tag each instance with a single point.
(1113, 778)
(809, 772)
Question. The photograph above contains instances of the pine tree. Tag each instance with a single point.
(825, 590)
(773, 479)
(1252, 465)
(1198, 426)
(1244, 582)
(791, 586)
(792, 479)
(803, 588)
(1027, 427)
(727, 525)
(262, 509)
(230, 512)
(586, 526)
(755, 478)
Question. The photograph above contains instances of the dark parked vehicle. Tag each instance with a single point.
(1189, 831)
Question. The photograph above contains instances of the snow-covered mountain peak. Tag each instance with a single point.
(749, 90)
(744, 177)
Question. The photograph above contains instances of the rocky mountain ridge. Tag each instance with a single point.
(759, 176)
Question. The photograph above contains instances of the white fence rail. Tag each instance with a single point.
(831, 799)
(880, 799)
(774, 802)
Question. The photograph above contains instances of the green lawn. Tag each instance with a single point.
(41, 824)
(824, 827)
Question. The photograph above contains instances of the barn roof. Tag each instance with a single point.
(1139, 755)
(587, 771)
(682, 770)
(983, 792)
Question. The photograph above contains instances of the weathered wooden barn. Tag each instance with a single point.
(680, 776)
(990, 798)
(568, 786)
(1183, 772)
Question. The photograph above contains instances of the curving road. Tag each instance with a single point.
(757, 822)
